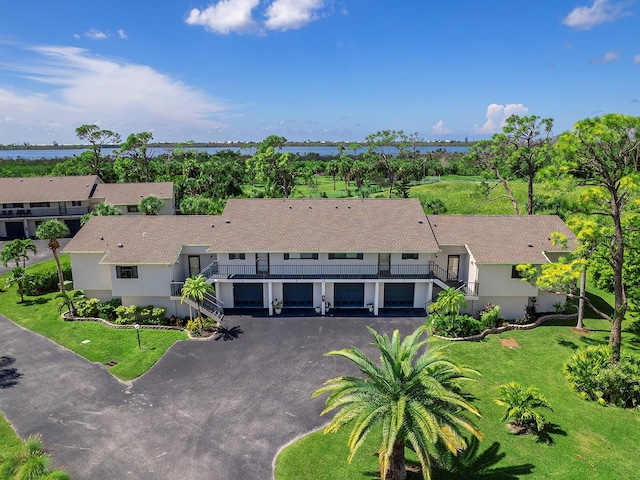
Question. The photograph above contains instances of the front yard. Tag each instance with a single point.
(105, 345)
(585, 440)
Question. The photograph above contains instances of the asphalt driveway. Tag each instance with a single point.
(42, 253)
(208, 410)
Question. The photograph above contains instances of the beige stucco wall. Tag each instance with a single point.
(88, 273)
(495, 280)
(152, 281)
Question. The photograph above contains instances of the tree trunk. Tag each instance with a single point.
(620, 308)
(583, 292)
(530, 192)
(60, 276)
(397, 467)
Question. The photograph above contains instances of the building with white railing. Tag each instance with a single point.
(317, 254)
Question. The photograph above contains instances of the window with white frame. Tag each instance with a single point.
(236, 256)
(346, 256)
(301, 256)
(410, 256)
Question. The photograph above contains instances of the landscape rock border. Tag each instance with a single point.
(511, 326)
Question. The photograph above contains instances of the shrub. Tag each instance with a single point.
(107, 310)
(126, 315)
(44, 282)
(455, 325)
(491, 316)
(590, 373)
(87, 307)
(193, 326)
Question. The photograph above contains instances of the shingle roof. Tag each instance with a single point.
(46, 189)
(325, 225)
(502, 239)
(132, 193)
(263, 225)
(145, 239)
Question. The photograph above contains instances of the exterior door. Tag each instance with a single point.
(194, 265)
(297, 294)
(262, 263)
(398, 295)
(349, 295)
(247, 295)
(62, 207)
(384, 264)
(453, 267)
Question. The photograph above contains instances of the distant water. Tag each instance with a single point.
(320, 150)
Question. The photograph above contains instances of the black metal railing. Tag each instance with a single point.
(42, 212)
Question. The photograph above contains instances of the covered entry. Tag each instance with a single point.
(349, 295)
(247, 295)
(74, 225)
(297, 294)
(398, 295)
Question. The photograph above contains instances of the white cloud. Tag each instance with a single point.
(94, 34)
(226, 16)
(440, 129)
(496, 116)
(610, 56)
(74, 88)
(291, 14)
(636, 58)
(122, 34)
(585, 17)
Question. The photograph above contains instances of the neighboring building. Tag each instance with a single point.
(27, 202)
(346, 253)
(126, 196)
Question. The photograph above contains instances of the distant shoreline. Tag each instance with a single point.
(223, 145)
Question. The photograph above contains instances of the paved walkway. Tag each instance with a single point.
(208, 410)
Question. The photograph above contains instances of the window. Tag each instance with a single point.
(13, 205)
(410, 256)
(76, 203)
(345, 256)
(515, 273)
(236, 256)
(132, 208)
(127, 272)
(302, 256)
(39, 204)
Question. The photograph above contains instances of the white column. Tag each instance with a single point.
(323, 295)
(429, 292)
(270, 297)
(376, 298)
(26, 228)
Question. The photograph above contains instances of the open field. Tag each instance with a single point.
(41, 315)
(586, 440)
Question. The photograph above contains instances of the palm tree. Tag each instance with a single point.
(150, 205)
(450, 301)
(52, 230)
(68, 301)
(414, 400)
(17, 250)
(30, 463)
(17, 276)
(195, 288)
(101, 210)
(520, 406)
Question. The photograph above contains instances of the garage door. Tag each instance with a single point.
(398, 295)
(15, 230)
(74, 225)
(247, 295)
(297, 294)
(349, 295)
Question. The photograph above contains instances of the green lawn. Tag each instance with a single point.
(587, 440)
(41, 315)
(10, 443)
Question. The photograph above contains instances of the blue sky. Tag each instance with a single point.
(311, 69)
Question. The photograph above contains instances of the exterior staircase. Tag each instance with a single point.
(210, 306)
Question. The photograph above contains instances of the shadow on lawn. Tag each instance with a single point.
(470, 465)
(8, 376)
(36, 301)
(545, 436)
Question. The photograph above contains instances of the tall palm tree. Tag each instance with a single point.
(101, 210)
(17, 276)
(52, 230)
(195, 288)
(414, 400)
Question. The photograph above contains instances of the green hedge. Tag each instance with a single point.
(44, 282)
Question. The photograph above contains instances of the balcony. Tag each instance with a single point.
(43, 212)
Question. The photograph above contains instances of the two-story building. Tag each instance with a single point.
(27, 202)
(315, 254)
